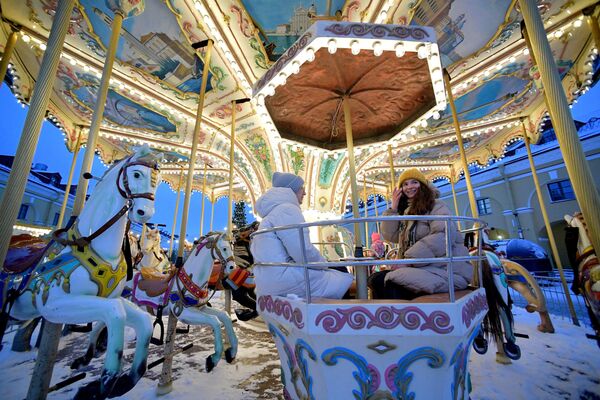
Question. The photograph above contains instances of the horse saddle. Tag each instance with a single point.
(24, 252)
(154, 284)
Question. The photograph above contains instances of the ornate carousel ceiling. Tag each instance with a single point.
(154, 87)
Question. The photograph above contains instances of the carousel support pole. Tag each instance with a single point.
(461, 147)
(212, 210)
(8, 50)
(63, 207)
(15, 187)
(592, 21)
(392, 172)
(174, 224)
(361, 271)
(366, 210)
(234, 104)
(454, 195)
(202, 206)
(551, 238)
(375, 203)
(143, 234)
(566, 133)
(165, 383)
(388, 199)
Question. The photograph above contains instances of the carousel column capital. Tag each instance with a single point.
(126, 8)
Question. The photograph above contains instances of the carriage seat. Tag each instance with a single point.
(24, 252)
(154, 283)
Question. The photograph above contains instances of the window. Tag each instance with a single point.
(561, 190)
(484, 206)
(23, 211)
(55, 221)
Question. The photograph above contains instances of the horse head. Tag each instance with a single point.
(137, 182)
(151, 241)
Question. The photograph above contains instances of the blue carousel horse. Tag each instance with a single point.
(84, 282)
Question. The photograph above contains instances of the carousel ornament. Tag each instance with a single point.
(126, 8)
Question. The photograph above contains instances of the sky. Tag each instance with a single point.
(52, 151)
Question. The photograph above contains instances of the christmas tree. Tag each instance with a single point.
(239, 214)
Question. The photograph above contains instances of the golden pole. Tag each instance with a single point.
(90, 147)
(143, 234)
(202, 207)
(387, 197)
(360, 271)
(551, 238)
(461, 147)
(375, 204)
(454, 195)
(592, 21)
(212, 210)
(165, 383)
(231, 161)
(63, 207)
(566, 133)
(392, 172)
(366, 210)
(8, 50)
(174, 224)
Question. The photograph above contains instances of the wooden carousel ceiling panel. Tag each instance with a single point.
(385, 93)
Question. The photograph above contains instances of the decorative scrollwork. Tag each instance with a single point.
(282, 308)
(363, 374)
(474, 306)
(377, 31)
(397, 376)
(385, 317)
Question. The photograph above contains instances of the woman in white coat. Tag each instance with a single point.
(280, 206)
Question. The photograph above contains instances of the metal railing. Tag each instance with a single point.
(448, 259)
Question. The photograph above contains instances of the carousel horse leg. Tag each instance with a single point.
(61, 309)
(231, 351)
(22, 340)
(93, 337)
(141, 322)
(531, 292)
(197, 317)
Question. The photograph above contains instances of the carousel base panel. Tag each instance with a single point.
(341, 349)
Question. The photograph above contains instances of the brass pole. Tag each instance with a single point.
(63, 207)
(566, 133)
(376, 208)
(19, 173)
(461, 147)
(212, 211)
(392, 172)
(366, 210)
(202, 206)
(143, 234)
(360, 271)
(174, 224)
(592, 21)
(11, 40)
(165, 383)
(454, 195)
(551, 238)
(90, 147)
(387, 197)
(231, 161)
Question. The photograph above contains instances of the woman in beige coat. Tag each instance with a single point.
(419, 239)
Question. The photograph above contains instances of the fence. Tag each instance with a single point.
(556, 299)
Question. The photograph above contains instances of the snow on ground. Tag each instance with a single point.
(564, 365)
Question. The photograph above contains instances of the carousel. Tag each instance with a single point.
(215, 97)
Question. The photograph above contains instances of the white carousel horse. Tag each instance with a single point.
(183, 292)
(154, 258)
(586, 267)
(84, 282)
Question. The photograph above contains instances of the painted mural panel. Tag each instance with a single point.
(159, 49)
(327, 171)
(282, 22)
(461, 30)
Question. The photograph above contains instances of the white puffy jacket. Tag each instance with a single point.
(278, 207)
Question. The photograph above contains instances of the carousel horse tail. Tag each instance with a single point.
(492, 323)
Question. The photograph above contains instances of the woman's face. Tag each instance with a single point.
(300, 195)
(410, 188)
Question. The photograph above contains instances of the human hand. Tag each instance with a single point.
(396, 195)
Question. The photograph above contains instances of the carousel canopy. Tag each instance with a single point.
(153, 92)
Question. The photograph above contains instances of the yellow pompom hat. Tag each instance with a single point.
(412, 173)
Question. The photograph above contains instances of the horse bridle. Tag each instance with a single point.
(125, 192)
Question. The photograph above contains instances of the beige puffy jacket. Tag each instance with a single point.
(430, 241)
